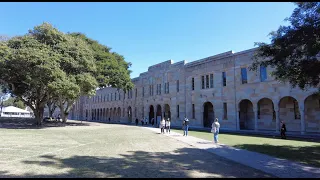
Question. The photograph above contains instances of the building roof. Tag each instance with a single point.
(14, 109)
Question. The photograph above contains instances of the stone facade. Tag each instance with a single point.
(198, 91)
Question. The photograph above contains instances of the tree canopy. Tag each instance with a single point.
(294, 49)
(13, 101)
(112, 69)
(46, 67)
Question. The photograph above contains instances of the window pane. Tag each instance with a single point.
(225, 114)
(224, 78)
(207, 81)
(177, 85)
(193, 111)
(244, 75)
(211, 80)
(263, 73)
(192, 83)
(177, 110)
(202, 82)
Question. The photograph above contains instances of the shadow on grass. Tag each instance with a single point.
(29, 123)
(289, 137)
(183, 163)
(309, 155)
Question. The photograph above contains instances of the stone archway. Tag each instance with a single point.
(289, 113)
(266, 114)
(98, 113)
(158, 114)
(167, 112)
(246, 115)
(151, 113)
(208, 114)
(108, 115)
(119, 113)
(312, 113)
(129, 114)
(114, 114)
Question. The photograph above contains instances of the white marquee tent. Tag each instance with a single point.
(12, 111)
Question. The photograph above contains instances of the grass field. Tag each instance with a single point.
(96, 150)
(296, 150)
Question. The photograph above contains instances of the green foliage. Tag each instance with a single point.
(294, 49)
(112, 69)
(46, 67)
(12, 101)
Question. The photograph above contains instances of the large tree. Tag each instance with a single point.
(77, 63)
(28, 66)
(294, 49)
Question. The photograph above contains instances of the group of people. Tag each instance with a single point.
(215, 127)
(165, 124)
(144, 121)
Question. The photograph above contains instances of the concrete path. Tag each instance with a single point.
(278, 167)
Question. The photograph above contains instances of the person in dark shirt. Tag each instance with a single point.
(137, 121)
(283, 130)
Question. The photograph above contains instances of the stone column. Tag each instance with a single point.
(276, 109)
(303, 123)
(255, 119)
(238, 119)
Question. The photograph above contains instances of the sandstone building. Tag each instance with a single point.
(219, 86)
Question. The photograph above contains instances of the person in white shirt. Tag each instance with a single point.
(215, 130)
(162, 125)
(168, 125)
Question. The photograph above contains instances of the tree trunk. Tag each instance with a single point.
(51, 104)
(64, 117)
(39, 115)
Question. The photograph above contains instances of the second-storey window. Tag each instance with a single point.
(263, 73)
(211, 80)
(177, 85)
(202, 82)
(192, 84)
(224, 79)
(244, 77)
(207, 81)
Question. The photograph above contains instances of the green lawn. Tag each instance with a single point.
(296, 150)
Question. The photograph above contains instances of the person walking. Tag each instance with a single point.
(215, 130)
(283, 130)
(109, 119)
(168, 126)
(183, 127)
(186, 126)
(145, 121)
(162, 125)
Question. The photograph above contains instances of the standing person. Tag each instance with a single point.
(146, 121)
(137, 121)
(152, 121)
(183, 127)
(168, 125)
(215, 129)
(186, 125)
(142, 121)
(283, 130)
(109, 119)
(162, 125)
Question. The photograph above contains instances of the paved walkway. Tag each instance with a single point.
(275, 166)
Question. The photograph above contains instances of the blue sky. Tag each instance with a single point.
(150, 33)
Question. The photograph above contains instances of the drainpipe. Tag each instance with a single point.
(235, 92)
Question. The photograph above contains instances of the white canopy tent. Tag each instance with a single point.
(12, 111)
